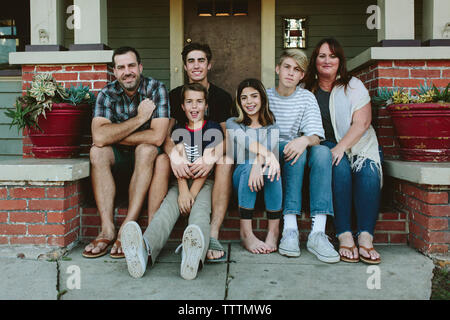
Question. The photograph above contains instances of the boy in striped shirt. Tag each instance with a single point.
(298, 116)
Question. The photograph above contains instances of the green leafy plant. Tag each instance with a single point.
(443, 95)
(384, 95)
(425, 94)
(40, 97)
(79, 95)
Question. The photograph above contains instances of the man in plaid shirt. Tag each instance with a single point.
(130, 122)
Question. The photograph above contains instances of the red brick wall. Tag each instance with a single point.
(391, 226)
(405, 74)
(96, 76)
(45, 214)
(428, 210)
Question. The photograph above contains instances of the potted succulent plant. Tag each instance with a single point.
(421, 122)
(53, 115)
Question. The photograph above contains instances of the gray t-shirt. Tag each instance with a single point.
(242, 136)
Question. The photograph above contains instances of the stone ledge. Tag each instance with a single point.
(419, 172)
(61, 57)
(44, 170)
(398, 53)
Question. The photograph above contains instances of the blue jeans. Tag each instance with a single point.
(246, 198)
(318, 159)
(361, 189)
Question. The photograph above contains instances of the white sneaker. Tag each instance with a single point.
(134, 248)
(193, 246)
(319, 245)
(289, 243)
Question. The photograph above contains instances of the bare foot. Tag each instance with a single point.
(249, 240)
(254, 245)
(366, 240)
(273, 233)
(272, 240)
(346, 240)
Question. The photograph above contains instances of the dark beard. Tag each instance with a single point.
(131, 87)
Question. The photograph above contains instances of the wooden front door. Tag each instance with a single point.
(235, 43)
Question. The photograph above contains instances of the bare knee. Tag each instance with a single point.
(146, 152)
(101, 156)
(162, 162)
(161, 171)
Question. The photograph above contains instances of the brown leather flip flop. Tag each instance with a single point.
(368, 260)
(90, 255)
(345, 259)
(117, 255)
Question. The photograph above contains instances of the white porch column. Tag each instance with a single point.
(93, 24)
(176, 43)
(436, 20)
(268, 43)
(47, 22)
(397, 21)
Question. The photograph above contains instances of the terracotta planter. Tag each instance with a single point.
(423, 131)
(62, 131)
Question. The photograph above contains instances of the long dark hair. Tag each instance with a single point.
(311, 79)
(266, 116)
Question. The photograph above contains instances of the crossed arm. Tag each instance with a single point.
(105, 133)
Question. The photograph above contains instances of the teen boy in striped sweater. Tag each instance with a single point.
(298, 116)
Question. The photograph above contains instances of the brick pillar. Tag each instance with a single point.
(96, 76)
(428, 211)
(407, 74)
(40, 213)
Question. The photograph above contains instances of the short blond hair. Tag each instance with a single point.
(298, 55)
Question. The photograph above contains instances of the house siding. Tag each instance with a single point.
(10, 140)
(344, 20)
(144, 25)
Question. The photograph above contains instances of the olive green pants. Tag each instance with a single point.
(161, 226)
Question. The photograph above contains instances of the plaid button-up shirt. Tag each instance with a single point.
(114, 104)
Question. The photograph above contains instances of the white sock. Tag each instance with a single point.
(319, 221)
(290, 221)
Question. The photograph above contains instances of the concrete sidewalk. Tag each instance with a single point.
(403, 274)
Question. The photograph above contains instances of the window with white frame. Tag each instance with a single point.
(294, 32)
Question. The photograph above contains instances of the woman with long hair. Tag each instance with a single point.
(356, 159)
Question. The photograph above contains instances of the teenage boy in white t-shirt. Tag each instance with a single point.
(298, 116)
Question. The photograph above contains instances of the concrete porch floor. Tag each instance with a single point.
(403, 274)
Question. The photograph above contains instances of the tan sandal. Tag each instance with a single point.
(117, 255)
(90, 255)
(368, 260)
(346, 259)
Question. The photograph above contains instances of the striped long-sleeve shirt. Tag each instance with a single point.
(297, 114)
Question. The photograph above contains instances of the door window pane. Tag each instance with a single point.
(222, 8)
